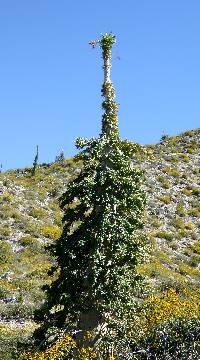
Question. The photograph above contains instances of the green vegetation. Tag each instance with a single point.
(171, 171)
(5, 252)
(38, 213)
(51, 232)
(184, 157)
(165, 183)
(4, 230)
(180, 209)
(164, 235)
(7, 197)
(195, 212)
(100, 246)
(166, 199)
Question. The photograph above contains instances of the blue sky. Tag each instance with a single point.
(50, 79)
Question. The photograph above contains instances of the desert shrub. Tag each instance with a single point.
(10, 337)
(4, 230)
(180, 210)
(187, 192)
(170, 304)
(174, 245)
(196, 191)
(189, 133)
(165, 183)
(6, 182)
(38, 213)
(51, 232)
(30, 227)
(173, 140)
(193, 249)
(188, 270)
(16, 310)
(29, 241)
(194, 260)
(36, 265)
(178, 223)
(165, 199)
(194, 202)
(191, 148)
(40, 270)
(42, 193)
(173, 280)
(194, 212)
(182, 226)
(30, 194)
(6, 289)
(7, 197)
(174, 159)
(28, 169)
(171, 171)
(182, 233)
(165, 277)
(196, 171)
(162, 255)
(58, 167)
(7, 211)
(155, 222)
(177, 338)
(170, 327)
(63, 349)
(165, 235)
(53, 205)
(55, 192)
(27, 284)
(6, 253)
(188, 226)
(184, 157)
(48, 182)
(58, 218)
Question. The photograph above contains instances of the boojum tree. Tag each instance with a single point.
(35, 163)
(99, 249)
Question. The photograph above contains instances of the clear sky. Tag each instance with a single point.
(50, 78)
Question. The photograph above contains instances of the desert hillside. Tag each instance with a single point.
(30, 218)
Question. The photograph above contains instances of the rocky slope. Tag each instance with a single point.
(30, 218)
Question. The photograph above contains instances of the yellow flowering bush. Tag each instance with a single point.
(167, 326)
(171, 304)
(7, 197)
(87, 354)
(51, 232)
(55, 352)
(61, 350)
